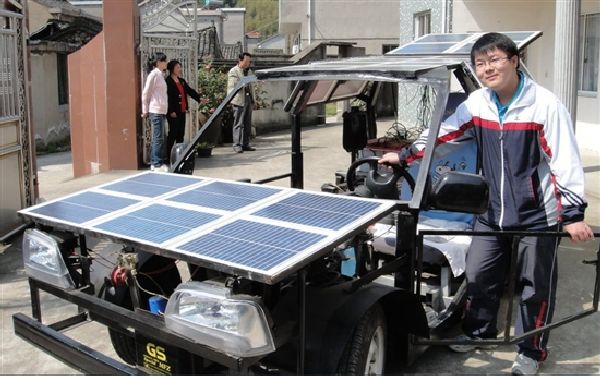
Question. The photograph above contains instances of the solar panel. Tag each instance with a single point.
(327, 212)
(156, 223)
(224, 196)
(260, 232)
(150, 185)
(253, 245)
(457, 44)
(82, 207)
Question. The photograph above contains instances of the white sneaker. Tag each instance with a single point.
(524, 365)
(164, 168)
(469, 347)
(154, 168)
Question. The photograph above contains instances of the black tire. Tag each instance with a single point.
(356, 358)
(123, 343)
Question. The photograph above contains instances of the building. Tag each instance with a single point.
(57, 29)
(370, 24)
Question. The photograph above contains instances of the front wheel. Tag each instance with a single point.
(365, 353)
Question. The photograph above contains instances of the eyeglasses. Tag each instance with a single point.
(494, 62)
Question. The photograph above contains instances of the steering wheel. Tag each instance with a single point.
(381, 185)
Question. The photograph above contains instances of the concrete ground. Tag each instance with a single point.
(574, 348)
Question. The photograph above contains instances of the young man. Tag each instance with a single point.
(243, 103)
(531, 162)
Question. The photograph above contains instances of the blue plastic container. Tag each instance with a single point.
(157, 305)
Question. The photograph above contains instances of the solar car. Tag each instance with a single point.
(355, 279)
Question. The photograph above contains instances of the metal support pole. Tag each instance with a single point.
(512, 273)
(301, 320)
(36, 309)
(297, 156)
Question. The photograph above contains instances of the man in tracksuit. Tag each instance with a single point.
(532, 165)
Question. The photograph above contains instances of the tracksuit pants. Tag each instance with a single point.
(487, 267)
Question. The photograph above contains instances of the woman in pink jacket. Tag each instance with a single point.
(154, 105)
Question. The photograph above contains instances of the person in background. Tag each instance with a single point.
(177, 93)
(154, 106)
(243, 104)
(530, 159)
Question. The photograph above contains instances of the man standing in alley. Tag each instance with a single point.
(243, 104)
(530, 159)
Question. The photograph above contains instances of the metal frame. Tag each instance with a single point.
(506, 339)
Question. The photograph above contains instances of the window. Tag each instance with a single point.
(385, 48)
(422, 24)
(590, 50)
(63, 78)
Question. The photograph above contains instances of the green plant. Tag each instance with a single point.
(205, 145)
(212, 87)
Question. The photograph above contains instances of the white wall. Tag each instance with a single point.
(233, 25)
(512, 15)
(588, 106)
(50, 121)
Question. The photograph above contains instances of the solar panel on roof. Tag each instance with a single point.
(457, 44)
(259, 231)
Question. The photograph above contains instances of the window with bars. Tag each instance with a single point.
(589, 56)
(422, 23)
(9, 87)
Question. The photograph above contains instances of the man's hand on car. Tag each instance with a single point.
(395, 158)
(579, 231)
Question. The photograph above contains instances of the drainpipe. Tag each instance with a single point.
(444, 15)
(566, 52)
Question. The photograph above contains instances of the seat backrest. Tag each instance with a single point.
(462, 158)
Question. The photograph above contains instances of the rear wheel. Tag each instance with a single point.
(365, 353)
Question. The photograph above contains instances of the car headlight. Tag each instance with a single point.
(43, 261)
(210, 315)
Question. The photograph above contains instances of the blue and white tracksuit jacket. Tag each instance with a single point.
(530, 158)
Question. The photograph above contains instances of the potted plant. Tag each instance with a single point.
(212, 87)
(204, 149)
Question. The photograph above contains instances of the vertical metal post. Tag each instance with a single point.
(406, 229)
(297, 156)
(301, 281)
(512, 273)
(36, 309)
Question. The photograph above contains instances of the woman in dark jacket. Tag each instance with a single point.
(177, 93)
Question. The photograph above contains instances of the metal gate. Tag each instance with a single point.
(180, 45)
(16, 183)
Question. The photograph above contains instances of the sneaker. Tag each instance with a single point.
(248, 148)
(164, 168)
(470, 346)
(155, 168)
(524, 365)
(238, 149)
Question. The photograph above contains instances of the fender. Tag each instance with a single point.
(332, 313)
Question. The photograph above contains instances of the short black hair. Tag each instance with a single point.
(154, 59)
(493, 41)
(242, 55)
(171, 65)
